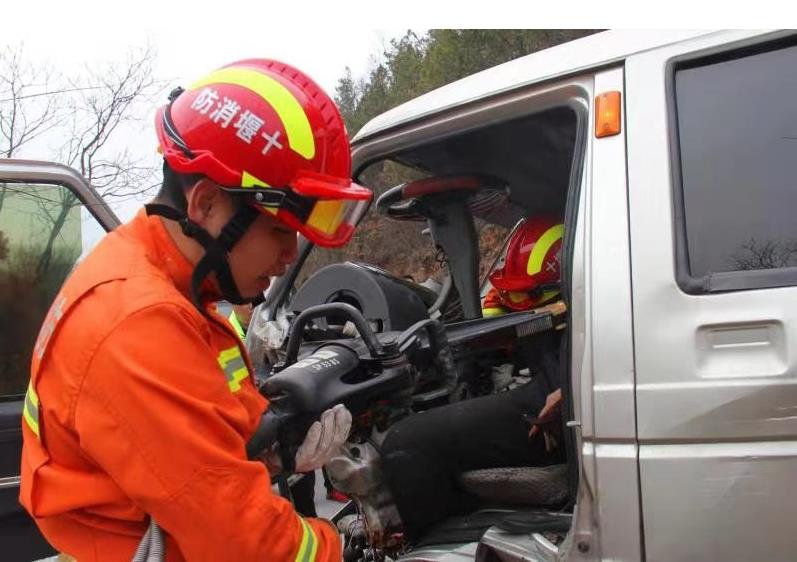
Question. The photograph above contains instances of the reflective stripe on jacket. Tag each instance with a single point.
(236, 325)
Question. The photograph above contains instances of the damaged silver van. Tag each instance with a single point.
(671, 158)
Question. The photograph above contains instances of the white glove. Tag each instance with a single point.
(324, 439)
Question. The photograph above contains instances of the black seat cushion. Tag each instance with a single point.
(542, 486)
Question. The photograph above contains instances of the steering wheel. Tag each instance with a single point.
(413, 201)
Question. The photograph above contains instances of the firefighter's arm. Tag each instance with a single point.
(156, 413)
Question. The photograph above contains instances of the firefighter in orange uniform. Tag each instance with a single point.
(141, 402)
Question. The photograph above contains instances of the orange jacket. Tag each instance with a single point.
(140, 406)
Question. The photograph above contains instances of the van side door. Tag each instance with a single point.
(712, 175)
(49, 218)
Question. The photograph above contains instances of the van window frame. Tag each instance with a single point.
(562, 91)
(726, 281)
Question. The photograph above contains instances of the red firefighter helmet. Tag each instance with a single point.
(265, 130)
(531, 271)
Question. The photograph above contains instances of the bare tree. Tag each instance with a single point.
(26, 110)
(106, 99)
(91, 110)
(87, 111)
(765, 254)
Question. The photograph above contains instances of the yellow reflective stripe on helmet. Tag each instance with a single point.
(542, 246)
(294, 119)
(490, 312)
(309, 545)
(327, 216)
(248, 180)
(234, 367)
(30, 411)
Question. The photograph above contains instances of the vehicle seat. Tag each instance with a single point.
(530, 486)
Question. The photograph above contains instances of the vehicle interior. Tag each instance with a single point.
(401, 308)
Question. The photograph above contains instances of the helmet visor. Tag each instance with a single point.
(332, 207)
(326, 222)
(330, 222)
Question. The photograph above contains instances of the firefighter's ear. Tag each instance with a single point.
(208, 206)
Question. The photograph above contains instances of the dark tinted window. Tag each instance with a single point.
(44, 231)
(737, 123)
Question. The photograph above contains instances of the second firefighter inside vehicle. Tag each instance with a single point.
(423, 454)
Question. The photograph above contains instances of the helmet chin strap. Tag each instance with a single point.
(216, 250)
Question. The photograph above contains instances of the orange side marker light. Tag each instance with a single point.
(607, 114)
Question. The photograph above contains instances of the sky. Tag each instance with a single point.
(321, 38)
(184, 56)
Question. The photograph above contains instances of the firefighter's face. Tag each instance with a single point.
(264, 251)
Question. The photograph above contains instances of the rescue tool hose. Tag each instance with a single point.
(151, 548)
